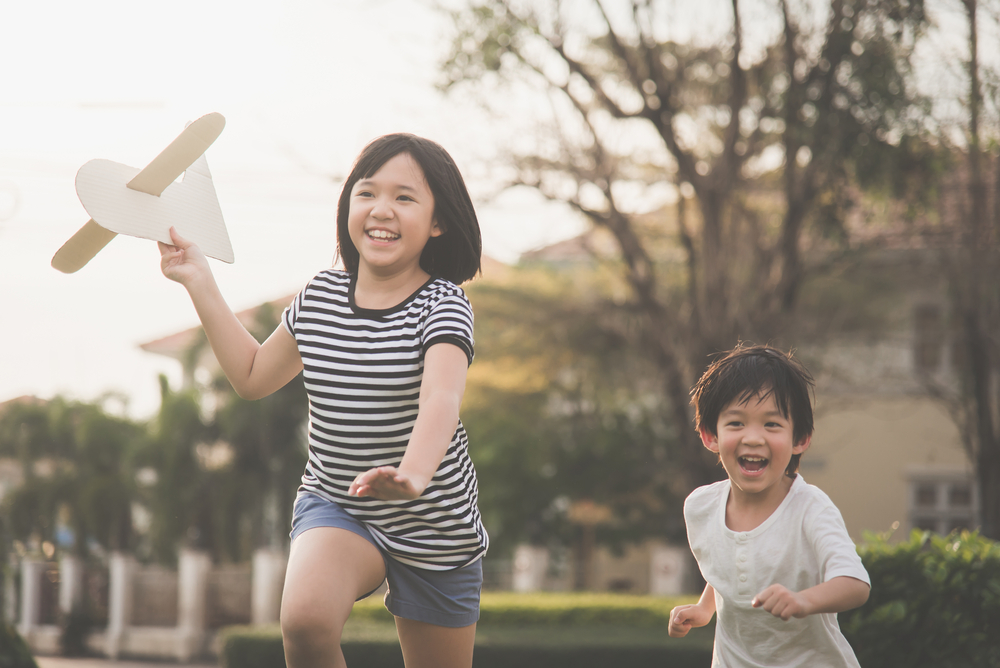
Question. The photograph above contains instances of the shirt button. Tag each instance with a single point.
(743, 557)
(743, 578)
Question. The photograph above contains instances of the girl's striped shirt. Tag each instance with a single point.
(362, 372)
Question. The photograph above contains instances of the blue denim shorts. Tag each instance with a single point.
(443, 598)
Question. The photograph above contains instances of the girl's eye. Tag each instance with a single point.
(405, 198)
(362, 193)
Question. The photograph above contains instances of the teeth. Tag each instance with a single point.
(753, 459)
(383, 235)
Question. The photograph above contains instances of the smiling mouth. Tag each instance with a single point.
(382, 235)
(752, 464)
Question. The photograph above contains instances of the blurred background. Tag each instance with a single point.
(656, 181)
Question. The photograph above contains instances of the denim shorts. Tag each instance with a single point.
(443, 598)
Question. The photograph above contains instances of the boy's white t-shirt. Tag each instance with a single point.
(802, 544)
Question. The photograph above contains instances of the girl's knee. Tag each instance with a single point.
(309, 630)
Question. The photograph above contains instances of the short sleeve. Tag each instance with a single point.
(835, 551)
(450, 321)
(291, 312)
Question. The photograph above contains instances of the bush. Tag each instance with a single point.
(935, 602)
(554, 609)
(14, 652)
(526, 630)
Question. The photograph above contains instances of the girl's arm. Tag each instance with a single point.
(683, 618)
(835, 595)
(255, 370)
(441, 390)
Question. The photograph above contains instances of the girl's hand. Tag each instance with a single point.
(183, 261)
(683, 618)
(781, 602)
(386, 483)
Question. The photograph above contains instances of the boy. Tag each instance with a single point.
(774, 551)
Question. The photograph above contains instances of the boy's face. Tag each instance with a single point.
(755, 442)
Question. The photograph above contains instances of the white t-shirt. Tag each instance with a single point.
(802, 544)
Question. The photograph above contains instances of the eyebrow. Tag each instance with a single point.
(741, 411)
(398, 186)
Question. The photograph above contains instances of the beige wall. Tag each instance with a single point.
(865, 447)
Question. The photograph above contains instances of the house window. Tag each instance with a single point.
(942, 503)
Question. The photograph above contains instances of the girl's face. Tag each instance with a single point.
(391, 217)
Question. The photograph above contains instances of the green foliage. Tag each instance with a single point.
(76, 462)
(935, 602)
(251, 647)
(560, 407)
(552, 609)
(224, 482)
(550, 629)
(14, 652)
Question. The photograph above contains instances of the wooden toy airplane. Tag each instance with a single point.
(145, 204)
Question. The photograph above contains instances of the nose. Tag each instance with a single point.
(752, 436)
(382, 209)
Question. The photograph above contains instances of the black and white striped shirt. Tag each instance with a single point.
(362, 371)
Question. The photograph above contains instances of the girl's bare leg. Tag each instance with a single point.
(328, 569)
(430, 646)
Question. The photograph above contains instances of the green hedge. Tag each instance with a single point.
(526, 630)
(14, 652)
(554, 609)
(935, 603)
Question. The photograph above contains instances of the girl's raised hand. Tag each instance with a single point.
(183, 261)
(386, 483)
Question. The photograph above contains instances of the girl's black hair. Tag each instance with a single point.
(455, 254)
(748, 372)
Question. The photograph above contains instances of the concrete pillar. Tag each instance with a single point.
(268, 580)
(10, 593)
(531, 563)
(32, 571)
(70, 584)
(667, 570)
(194, 567)
(121, 569)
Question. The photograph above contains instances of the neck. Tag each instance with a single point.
(745, 512)
(375, 290)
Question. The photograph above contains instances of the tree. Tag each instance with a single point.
(562, 409)
(78, 478)
(769, 137)
(973, 215)
(267, 439)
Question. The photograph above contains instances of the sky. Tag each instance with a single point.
(303, 84)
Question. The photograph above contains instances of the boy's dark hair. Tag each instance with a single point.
(748, 372)
(455, 254)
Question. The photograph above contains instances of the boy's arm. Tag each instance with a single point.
(683, 618)
(835, 595)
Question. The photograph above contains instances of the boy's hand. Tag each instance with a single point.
(386, 483)
(781, 602)
(683, 618)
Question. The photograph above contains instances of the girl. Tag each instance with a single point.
(389, 492)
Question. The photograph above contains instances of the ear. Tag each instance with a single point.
(436, 228)
(802, 445)
(710, 440)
